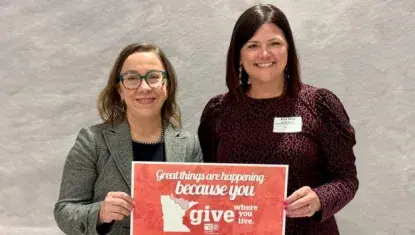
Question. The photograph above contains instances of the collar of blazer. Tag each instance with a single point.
(118, 140)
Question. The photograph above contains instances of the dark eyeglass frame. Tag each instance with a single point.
(144, 77)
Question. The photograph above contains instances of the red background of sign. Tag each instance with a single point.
(269, 196)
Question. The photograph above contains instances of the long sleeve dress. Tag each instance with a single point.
(320, 156)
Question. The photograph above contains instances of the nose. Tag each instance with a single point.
(264, 51)
(144, 86)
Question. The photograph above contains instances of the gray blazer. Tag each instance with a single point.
(100, 162)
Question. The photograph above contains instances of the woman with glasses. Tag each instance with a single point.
(141, 122)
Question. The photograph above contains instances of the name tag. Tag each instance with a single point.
(288, 124)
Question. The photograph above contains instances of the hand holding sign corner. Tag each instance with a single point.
(304, 202)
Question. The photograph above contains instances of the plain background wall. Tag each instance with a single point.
(55, 57)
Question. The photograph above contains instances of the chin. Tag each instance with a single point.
(267, 77)
(266, 80)
(147, 112)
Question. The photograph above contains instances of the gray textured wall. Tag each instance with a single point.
(55, 57)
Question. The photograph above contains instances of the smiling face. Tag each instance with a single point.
(264, 56)
(144, 101)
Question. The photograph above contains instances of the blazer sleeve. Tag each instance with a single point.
(197, 155)
(74, 212)
(206, 131)
(337, 140)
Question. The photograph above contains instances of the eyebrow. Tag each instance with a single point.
(272, 39)
(136, 72)
(130, 71)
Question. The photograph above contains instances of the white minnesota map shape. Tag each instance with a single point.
(173, 211)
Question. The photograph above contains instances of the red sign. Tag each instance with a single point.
(207, 199)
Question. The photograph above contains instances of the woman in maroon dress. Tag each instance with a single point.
(269, 116)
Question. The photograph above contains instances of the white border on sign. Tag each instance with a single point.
(210, 164)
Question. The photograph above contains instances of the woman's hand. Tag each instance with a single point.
(116, 206)
(302, 203)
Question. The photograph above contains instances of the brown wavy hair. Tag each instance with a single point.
(110, 106)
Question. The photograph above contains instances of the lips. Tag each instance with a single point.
(264, 64)
(147, 100)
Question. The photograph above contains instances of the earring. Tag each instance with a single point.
(287, 74)
(240, 74)
(123, 104)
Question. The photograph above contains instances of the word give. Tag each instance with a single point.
(207, 215)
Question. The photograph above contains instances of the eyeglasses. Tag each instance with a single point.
(153, 78)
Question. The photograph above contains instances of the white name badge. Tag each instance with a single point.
(288, 124)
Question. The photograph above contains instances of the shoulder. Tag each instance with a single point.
(215, 102)
(215, 105)
(93, 134)
(100, 127)
(95, 130)
(86, 141)
(173, 131)
(184, 134)
(191, 139)
(321, 98)
(190, 142)
(328, 107)
(308, 92)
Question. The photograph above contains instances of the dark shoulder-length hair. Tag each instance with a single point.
(110, 106)
(246, 26)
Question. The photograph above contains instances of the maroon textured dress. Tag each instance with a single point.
(320, 156)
